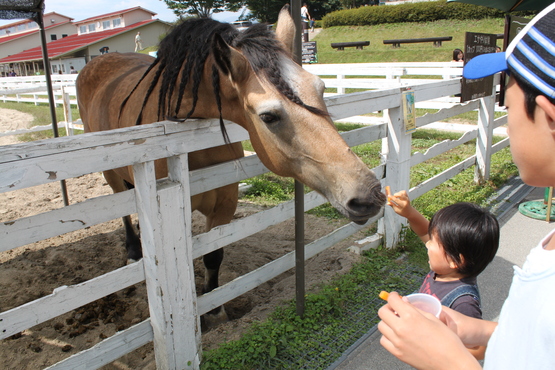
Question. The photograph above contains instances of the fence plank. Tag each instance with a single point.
(442, 147)
(249, 281)
(67, 298)
(109, 349)
(91, 212)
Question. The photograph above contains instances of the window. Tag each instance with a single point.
(83, 29)
(64, 35)
(106, 25)
(116, 22)
(22, 27)
(92, 27)
(53, 37)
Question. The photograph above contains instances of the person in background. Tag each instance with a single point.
(524, 336)
(458, 55)
(72, 70)
(138, 42)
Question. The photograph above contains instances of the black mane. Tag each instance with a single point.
(187, 48)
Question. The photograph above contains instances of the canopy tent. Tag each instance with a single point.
(34, 9)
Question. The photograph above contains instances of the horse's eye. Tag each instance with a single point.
(269, 118)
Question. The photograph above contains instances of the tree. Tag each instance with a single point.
(203, 9)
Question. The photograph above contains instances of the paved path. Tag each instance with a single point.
(519, 234)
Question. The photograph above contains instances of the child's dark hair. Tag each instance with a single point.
(530, 94)
(468, 234)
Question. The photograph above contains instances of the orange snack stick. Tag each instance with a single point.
(384, 295)
(389, 197)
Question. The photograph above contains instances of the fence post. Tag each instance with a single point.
(166, 236)
(340, 90)
(484, 141)
(67, 112)
(397, 150)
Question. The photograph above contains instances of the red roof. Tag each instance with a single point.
(8, 38)
(70, 44)
(107, 15)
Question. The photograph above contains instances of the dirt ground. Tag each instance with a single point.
(33, 271)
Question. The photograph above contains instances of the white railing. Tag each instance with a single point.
(164, 213)
(33, 89)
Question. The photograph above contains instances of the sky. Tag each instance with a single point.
(83, 9)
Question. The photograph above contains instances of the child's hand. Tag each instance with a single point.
(400, 202)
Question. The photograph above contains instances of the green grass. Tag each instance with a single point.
(377, 52)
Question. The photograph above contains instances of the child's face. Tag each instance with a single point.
(532, 142)
(439, 262)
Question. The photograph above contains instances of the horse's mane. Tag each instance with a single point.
(187, 48)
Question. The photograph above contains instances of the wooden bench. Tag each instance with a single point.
(342, 45)
(436, 40)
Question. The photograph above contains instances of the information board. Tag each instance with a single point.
(476, 44)
(310, 52)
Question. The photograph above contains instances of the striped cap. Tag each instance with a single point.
(531, 55)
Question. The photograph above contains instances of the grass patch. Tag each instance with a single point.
(377, 52)
(41, 114)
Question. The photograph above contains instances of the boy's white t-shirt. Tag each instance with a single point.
(525, 335)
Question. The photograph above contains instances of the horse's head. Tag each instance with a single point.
(282, 107)
(250, 78)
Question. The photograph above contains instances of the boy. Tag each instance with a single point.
(524, 337)
(462, 239)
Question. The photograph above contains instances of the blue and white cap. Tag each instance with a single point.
(531, 55)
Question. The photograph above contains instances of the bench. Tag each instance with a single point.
(436, 40)
(342, 45)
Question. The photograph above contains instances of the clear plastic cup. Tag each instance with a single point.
(425, 302)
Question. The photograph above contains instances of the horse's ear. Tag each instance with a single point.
(229, 60)
(285, 30)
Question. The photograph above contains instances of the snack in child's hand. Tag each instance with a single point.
(390, 201)
(384, 295)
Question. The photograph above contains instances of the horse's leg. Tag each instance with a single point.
(132, 240)
(219, 207)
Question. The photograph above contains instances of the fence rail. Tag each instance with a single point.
(164, 206)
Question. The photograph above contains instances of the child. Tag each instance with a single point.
(462, 239)
(524, 337)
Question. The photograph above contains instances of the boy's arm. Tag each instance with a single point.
(400, 203)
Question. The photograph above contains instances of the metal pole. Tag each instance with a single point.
(51, 101)
(299, 188)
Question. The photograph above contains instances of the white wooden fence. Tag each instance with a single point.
(163, 209)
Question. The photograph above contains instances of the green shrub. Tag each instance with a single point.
(411, 12)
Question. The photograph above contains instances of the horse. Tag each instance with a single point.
(208, 69)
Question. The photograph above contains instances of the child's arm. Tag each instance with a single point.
(400, 203)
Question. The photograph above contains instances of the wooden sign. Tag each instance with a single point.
(476, 44)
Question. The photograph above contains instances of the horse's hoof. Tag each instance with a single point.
(214, 318)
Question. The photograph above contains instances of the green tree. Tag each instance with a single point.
(203, 9)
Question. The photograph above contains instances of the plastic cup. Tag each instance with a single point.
(425, 302)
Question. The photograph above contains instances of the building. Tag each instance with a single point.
(89, 38)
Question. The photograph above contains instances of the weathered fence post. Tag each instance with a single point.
(397, 148)
(68, 117)
(486, 116)
(165, 219)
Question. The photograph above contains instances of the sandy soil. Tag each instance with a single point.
(33, 271)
